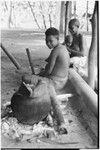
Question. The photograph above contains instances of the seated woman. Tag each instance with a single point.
(77, 47)
(58, 61)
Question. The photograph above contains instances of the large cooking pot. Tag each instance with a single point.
(31, 109)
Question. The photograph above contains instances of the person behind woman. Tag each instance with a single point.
(78, 46)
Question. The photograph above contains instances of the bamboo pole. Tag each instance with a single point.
(13, 60)
(30, 60)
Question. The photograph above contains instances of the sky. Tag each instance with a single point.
(81, 7)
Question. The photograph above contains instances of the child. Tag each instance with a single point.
(68, 40)
(58, 60)
(78, 46)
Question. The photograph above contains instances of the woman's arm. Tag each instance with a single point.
(78, 50)
(52, 59)
(74, 52)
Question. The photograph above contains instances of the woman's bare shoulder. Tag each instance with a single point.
(61, 47)
(63, 50)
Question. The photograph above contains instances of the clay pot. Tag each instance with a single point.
(31, 109)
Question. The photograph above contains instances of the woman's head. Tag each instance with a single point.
(52, 37)
(74, 25)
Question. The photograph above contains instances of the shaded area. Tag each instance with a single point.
(81, 123)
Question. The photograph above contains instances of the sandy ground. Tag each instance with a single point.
(80, 121)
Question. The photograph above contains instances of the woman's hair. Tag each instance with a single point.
(73, 22)
(52, 31)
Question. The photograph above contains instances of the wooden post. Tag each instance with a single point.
(30, 60)
(13, 60)
(67, 16)
(61, 26)
(92, 57)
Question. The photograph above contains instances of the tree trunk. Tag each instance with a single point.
(10, 15)
(6, 6)
(44, 22)
(50, 13)
(57, 14)
(75, 9)
(33, 15)
(92, 57)
(61, 26)
(67, 16)
(87, 15)
(14, 16)
(50, 20)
